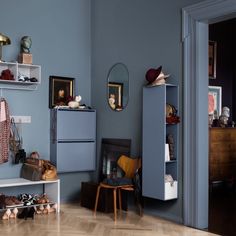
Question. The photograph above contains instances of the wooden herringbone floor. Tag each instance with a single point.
(75, 220)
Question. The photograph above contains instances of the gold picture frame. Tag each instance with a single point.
(115, 92)
(61, 90)
(212, 47)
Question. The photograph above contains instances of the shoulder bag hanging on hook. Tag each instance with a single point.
(4, 130)
(15, 143)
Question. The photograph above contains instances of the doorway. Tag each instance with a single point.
(222, 136)
(195, 142)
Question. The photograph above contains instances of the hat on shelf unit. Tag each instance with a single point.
(156, 77)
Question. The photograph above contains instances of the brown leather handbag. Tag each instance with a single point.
(32, 169)
(49, 172)
(35, 169)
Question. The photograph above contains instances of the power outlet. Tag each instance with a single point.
(21, 119)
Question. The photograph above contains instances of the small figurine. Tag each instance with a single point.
(25, 56)
(171, 114)
(75, 103)
(210, 120)
(226, 111)
(223, 119)
(112, 100)
(216, 122)
(26, 43)
(78, 98)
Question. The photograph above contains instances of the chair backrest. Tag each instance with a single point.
(129, 165)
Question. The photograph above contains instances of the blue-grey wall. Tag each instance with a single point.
(61, 44)
(141, 34)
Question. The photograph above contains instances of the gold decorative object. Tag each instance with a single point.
(4, 40)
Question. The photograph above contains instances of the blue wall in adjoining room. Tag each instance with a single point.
(61, 44)
(141, 34)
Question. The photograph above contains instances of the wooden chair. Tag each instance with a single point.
(129, 166)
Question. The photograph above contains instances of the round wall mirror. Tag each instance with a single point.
(118, 87)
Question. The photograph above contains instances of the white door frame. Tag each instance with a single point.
(195, 135)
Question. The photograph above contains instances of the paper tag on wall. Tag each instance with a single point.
(3, 112)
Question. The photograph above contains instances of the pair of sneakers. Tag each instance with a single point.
(23, 78)
(42, 199)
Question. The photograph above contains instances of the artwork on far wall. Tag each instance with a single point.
(212, 59)
(61, 90)
(214, 99)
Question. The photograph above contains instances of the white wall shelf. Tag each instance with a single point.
(27, 70)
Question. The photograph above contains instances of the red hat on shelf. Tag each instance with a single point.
(152, 74)
(156, 76)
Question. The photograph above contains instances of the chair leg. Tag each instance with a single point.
(120, 201)
(96, 202)
(139, 203)
(114, 199)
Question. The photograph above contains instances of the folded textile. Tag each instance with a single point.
(118, 181)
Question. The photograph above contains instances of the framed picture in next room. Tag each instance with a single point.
(214, 99)
(212, 59)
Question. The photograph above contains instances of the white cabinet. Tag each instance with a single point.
(26, 70)
(155, 165)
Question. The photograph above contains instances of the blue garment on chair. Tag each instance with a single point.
(118, 181)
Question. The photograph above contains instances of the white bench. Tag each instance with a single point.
(51, 188)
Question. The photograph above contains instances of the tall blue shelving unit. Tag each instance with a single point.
(155, 131)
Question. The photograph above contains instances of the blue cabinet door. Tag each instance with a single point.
(76, 125)
(75, 156)
(73, 140)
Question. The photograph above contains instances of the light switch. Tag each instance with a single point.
(21, 119)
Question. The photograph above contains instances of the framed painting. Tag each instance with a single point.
(115, 93)
(61, 90)
(212, 59)
(214, 100)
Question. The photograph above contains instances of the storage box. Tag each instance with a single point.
(171, 190)
(25, 58)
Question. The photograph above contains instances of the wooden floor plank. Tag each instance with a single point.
(75, 220)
